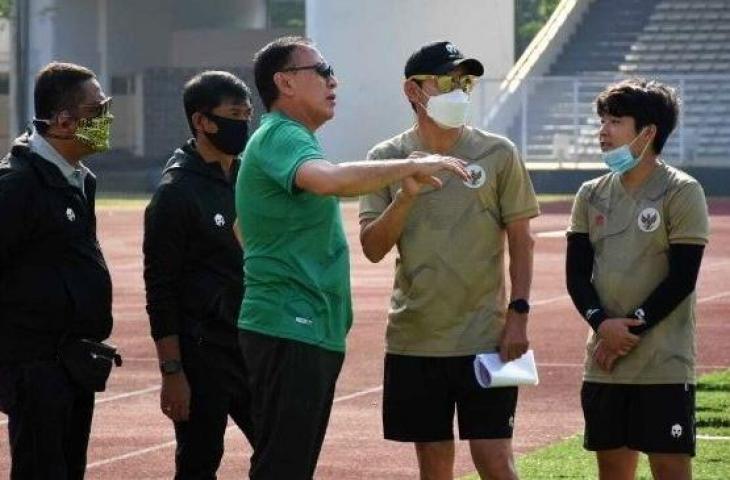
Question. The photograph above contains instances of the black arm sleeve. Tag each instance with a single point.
(165, 235)
(578, 272)
(684, 266)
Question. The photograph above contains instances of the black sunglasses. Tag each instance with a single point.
(98, 109)
(322, 69)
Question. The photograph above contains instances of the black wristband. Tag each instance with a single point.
(594, 317)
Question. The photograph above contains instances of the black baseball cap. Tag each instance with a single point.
(438, 58)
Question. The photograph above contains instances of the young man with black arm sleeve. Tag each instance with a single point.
(635, 244)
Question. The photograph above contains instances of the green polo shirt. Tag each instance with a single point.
(449, 292)
(297, 270)
(631, 233)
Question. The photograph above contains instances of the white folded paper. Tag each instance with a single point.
(491, 372)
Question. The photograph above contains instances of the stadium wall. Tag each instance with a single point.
(714, 180)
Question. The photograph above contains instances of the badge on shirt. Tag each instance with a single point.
(649, 220)
(219, 220)
(477, 176)
(70, 214)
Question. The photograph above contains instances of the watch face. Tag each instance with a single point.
(520, 306)
(170, 366)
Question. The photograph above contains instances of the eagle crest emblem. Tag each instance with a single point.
(477, 176)
(649, 220)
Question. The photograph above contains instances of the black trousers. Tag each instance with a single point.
(49, 420)
(292, 387)
(218, 388)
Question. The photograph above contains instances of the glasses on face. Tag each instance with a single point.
(98, 109)
(447, 83)
(322, 69)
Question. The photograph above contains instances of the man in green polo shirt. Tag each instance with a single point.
(635, 245)
(296, 309)
(449, 301)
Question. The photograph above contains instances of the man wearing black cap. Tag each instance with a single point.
(449, 302)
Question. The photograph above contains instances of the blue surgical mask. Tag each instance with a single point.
(621, 160)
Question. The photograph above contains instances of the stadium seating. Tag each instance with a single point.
(684, 43)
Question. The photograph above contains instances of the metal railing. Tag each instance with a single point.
(553, 122)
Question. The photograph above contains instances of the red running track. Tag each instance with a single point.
(131, 439)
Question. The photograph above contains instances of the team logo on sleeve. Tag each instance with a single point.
(219, 220)
(477, 176)
(70, 214)
(676, 431)
(649, 220)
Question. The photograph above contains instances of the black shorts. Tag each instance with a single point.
(420, 395)
(647, 418)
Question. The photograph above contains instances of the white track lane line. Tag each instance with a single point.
(171, 443)
(134, 393)
(714, 297)
(343, 398)
(549, 300)
(113, 398)
(132, 454)
(551, 234)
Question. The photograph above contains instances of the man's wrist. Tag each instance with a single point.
(402, 197)
(411, 166)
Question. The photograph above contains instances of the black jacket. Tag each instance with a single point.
(193, 264)
(53, 277)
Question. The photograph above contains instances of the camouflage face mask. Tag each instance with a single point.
(95, 132)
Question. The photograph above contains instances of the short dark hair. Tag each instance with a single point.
(272, 59)
(209, 89)
(646, 101)
(58, 88)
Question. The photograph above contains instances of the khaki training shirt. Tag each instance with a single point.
(449, 293)
(630, 234)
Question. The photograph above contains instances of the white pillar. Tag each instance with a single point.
(18, 71)
(102, 41)
(368, 44)
(253, 13)
(41, 51)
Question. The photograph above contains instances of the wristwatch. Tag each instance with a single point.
(170, 367)
(519, 305)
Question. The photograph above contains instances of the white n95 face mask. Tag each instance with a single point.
(449, 110)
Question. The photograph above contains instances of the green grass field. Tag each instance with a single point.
(122, 202)
(568, 460)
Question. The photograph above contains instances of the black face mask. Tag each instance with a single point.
(231, 136)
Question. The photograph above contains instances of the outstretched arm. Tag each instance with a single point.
(356, 178)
